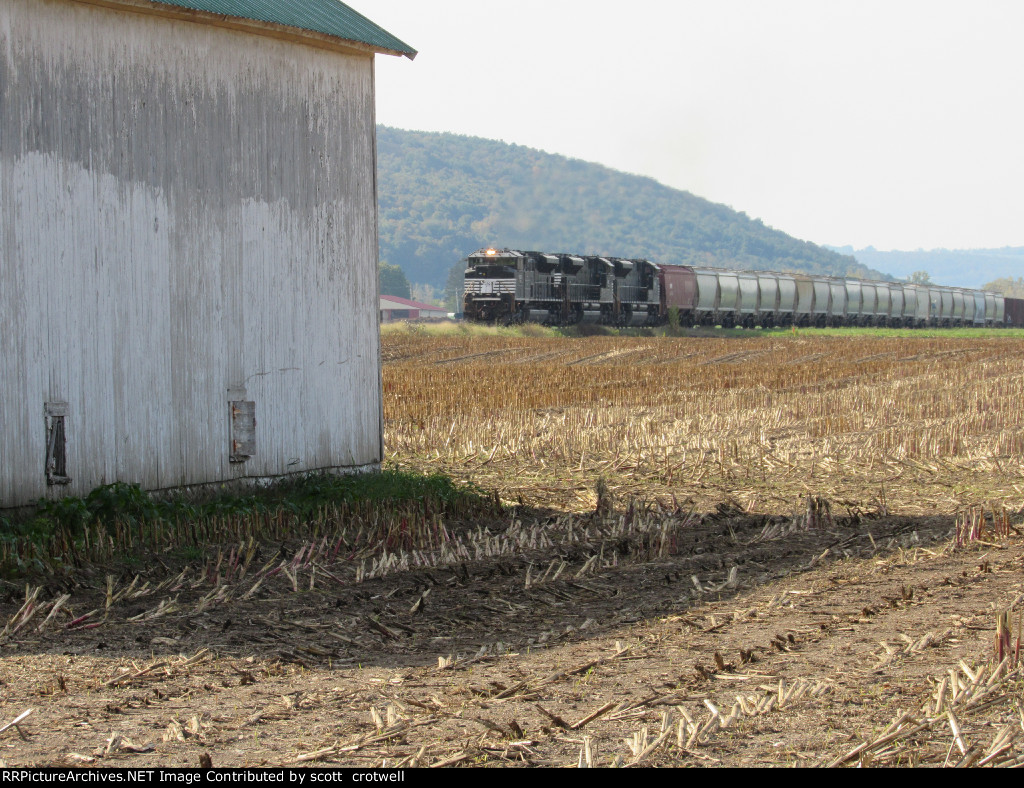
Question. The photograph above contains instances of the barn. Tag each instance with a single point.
(188, 242)
(395, 308)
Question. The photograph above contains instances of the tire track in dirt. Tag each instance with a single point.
(477, 356)
(610, 356)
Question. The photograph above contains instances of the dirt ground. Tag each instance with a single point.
(793, 593)
(615, 656)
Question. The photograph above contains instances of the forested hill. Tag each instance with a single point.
(443, 196)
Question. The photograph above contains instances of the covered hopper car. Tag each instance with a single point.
(510, 286)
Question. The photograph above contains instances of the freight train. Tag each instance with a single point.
(508, 286)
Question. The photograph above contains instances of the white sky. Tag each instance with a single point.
(897, 124)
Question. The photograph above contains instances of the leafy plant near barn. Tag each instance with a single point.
(392, 508)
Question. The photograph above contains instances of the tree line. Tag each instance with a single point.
(1008, 286)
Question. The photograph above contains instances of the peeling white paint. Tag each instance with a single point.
(184, 210)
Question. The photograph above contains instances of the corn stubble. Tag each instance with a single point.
(915, 425)
(816, 430)
(647, 447)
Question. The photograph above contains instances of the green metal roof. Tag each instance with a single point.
(331, 17)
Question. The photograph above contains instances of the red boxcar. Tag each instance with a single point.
(1015, 312)
(678, 291)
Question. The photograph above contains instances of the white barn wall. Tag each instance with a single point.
(184, 210)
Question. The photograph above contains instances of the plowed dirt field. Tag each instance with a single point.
(762, 552)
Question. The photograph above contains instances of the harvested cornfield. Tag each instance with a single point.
(916, 425)
(775, 550)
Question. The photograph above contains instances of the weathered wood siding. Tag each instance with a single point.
(187, 217)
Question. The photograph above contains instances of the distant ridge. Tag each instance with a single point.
(442, 196)
(952, 267)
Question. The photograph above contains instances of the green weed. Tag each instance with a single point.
(396, 509)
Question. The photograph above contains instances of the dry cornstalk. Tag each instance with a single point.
(14, 723)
